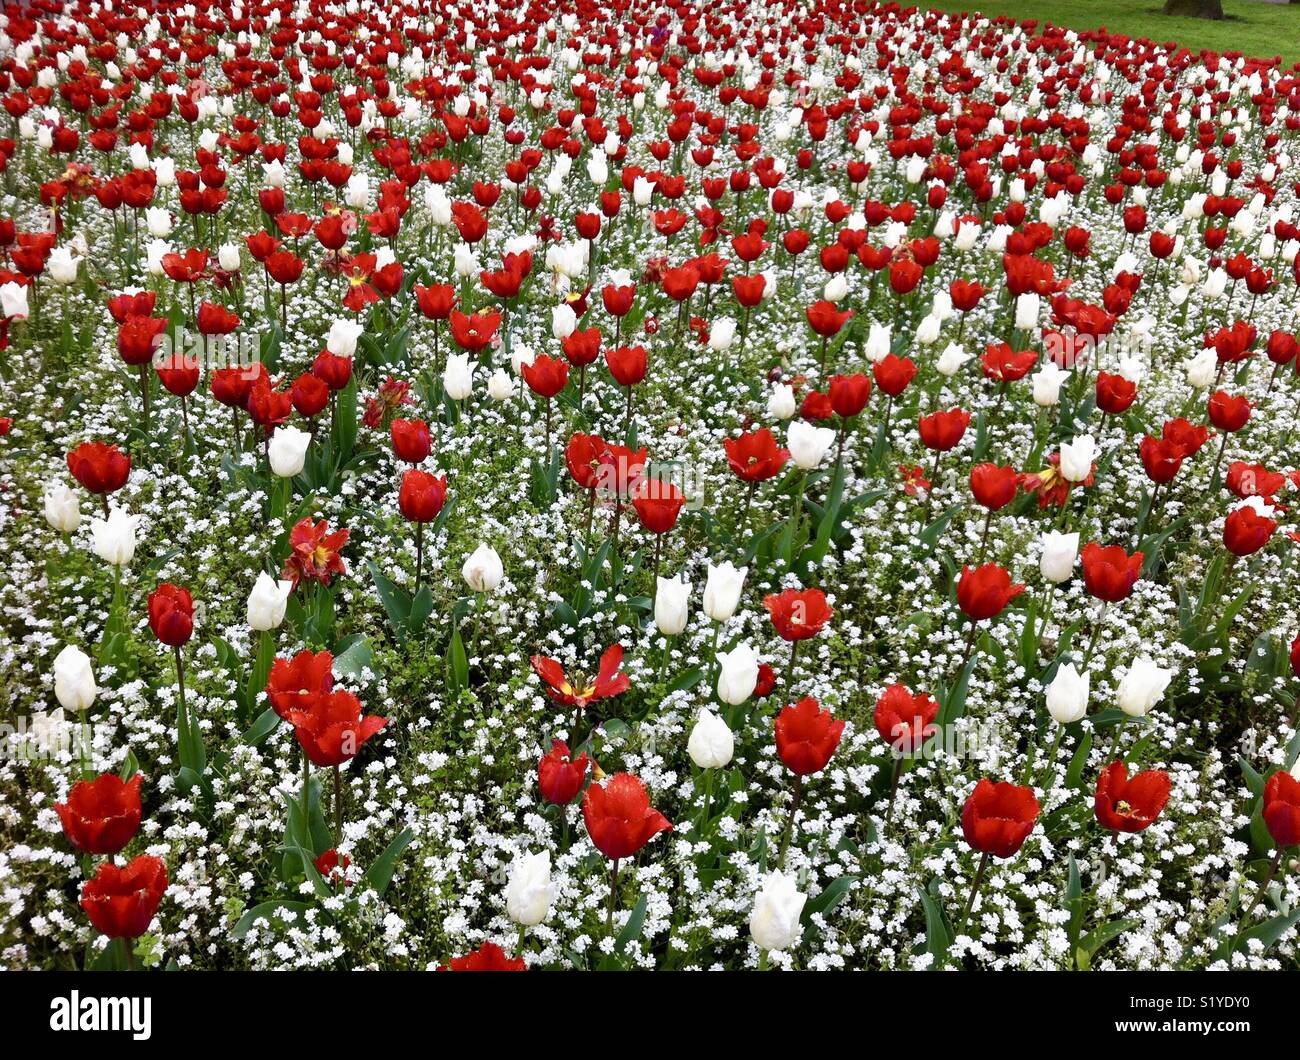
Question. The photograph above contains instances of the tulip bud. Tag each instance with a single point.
(722, 590)
(342, 339)
(113, 539)
(672, 605)
(530, 892)
(267, 602)
(774, 921)
(500, 386)
(1077, 457)
(1142, 687)
(458, 377)
(482, 570)
(951, 360)
(228, 257)
(780, 403)
(1203, 369)
(737, 674)
(808, 444)
(722, 334)
(1067, 695)
(563, 321)
(711, 743)
(74, 680)
(1059, 553)
(62, 507)
(1027, 306)
(287, 452)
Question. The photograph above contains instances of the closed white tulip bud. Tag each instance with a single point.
(342, 339)
(482, 570)
(1027, 311)
(13, 300)
(808, 444)
(228, 257)
(672, 605)
(74, 680)
(267, 602)
(1077, 457)
(722, 590)
(62, 507)
(774, 921)
(711, 744)
(530, 892)
(927, 332)
(288, 451)
(158, 220)
(563, 321)
(458, 377)
(1047, 384)
(1067, 695)
(1059, 553)
(836, 289)
(722, 334)
(1203, 369)
(61, 265)
(1142, 687)
(500, 386)
(737, 674)
(878, 342)
(113, 539)
(780, 402)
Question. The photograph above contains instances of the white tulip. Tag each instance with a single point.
(287, 452)
(711, 743)
(1142, 687)
(1047, 384)
(780, 402)
(722, 590)
(158, 220)
(774, 921)
(878, 342)
(737, 674)
(13, 300)
(458, 377)
(500, 386)
(1202, 369)
(951, 360)
(62, 507)
(808, 444)
(228, 257)
(1027, 307)
(74, 680)
(722, 334)
(342, 339)
(672, 605)
(1067, 695)
(61, 265)
(113, 539)
(1059, 553)
(530, 892)
(483, 570)
(267, 602)
(1077, 457)
(563, 321)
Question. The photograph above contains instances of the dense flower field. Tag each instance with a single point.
(643, 485)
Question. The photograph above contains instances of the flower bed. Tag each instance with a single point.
(794, 486)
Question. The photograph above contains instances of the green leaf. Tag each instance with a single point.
(937, 937)
(632, 929)
(831, 896)
(353, 655)
(263, 912)
(262, 728)
(380, 873)
(1103, 933)
(396, 601)
(457, 664)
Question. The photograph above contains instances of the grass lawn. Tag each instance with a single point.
(1249, 26)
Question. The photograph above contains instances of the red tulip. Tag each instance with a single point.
(755, 457)
(1110, 573)
(825, 319)
(560, 776)
(982, 592)
(421, 495)
(295, 684)
(1130, 804)
(849, 394)
(411, 441)
(101, 816)
(435, 302)
(171, 614)
(806, 736)
(331, 728)
(657, 504)
(314, 552)
(994, 487)
(121, 902)
(627, 364)
(309, 394)
(1114, 393)
(609, 679)
(998, 818)
(1228, 412)
(893, 373)
(546, 376)
(1245, 531)
(1282, 809)
(332, 369)
(1160, 459)
(903, 720)
(487, 958)
(943, 430)
(798, 615)
(619, 817)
